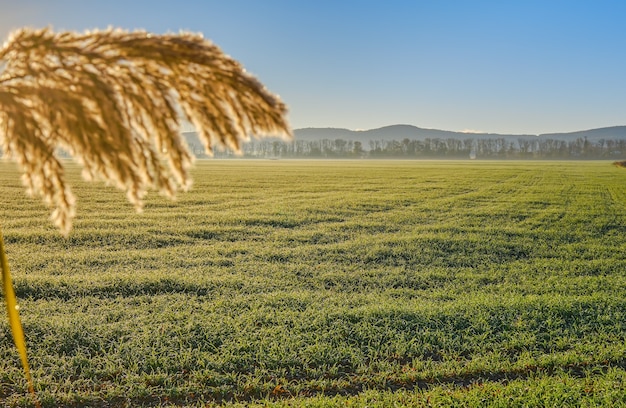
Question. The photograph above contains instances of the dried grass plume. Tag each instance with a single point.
(113, 100)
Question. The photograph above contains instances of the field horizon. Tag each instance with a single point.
(327, 283)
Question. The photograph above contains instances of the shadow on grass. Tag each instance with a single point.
(620, 163)
(352, 385)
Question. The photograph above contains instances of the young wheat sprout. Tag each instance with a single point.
(112, 99)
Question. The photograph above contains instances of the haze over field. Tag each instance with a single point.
(526, 67)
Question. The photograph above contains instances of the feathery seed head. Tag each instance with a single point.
(113, 100)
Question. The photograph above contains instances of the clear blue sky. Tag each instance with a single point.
(527, 66)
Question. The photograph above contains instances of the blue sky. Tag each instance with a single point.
(496, 66)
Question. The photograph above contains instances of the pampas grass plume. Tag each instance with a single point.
(113, 100)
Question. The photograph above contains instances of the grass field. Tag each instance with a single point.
(357, 283)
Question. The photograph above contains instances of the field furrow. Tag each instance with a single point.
(326, 283)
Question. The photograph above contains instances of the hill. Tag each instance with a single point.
(607, 133)
(399, 132)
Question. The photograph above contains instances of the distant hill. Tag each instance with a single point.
(393, 132)
(399, 132)
(607, 133)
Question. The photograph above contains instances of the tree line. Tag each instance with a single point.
(496, 148)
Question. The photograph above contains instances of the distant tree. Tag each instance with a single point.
(340, 147)
(358, 148)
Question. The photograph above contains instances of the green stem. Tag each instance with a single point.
(14, 316)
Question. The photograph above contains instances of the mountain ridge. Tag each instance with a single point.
(402, 131)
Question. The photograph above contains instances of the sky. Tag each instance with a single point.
(500, 66)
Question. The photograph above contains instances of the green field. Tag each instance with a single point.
(302, 283)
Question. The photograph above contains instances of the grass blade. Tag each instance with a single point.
(14, 316)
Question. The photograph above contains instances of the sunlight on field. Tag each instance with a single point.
(363, 283)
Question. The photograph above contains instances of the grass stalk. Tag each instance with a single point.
(14, 317)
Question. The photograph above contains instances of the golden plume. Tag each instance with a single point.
(113, 100)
